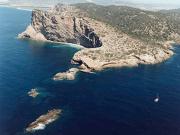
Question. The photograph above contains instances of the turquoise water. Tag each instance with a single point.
(112, 102)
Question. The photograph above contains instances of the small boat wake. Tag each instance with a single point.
(156, 100)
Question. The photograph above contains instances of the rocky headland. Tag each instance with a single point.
(106, 44)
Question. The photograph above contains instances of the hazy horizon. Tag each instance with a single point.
(144, 4)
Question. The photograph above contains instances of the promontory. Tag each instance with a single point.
(111, 36)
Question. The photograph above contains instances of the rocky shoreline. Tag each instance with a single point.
(104, 45)
(92, 61)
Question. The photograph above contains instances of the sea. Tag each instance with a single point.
(120, 101)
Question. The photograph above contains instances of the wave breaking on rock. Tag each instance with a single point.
(41, 122)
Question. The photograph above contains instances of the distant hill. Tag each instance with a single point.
(171, 11)
(172, 14)
(131, 3)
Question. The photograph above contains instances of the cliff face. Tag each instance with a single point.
(62, 24)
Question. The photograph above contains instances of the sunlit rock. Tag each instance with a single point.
(68, 75)
(33, 93)
(45, 119)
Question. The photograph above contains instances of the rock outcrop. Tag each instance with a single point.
(68, 75)
(33, 93)
(41, 122)
(71, 74)
(120, 50)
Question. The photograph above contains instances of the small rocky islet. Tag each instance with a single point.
(68, 75)
(33, 93)
(45, 119)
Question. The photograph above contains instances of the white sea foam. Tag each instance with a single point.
(67, 44)
(42, 126)
(50, 120)
(39, 127)
(75, 45)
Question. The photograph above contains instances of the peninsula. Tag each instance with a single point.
(112, 36)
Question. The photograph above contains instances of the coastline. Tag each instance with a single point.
(77, 46)
(132, 62)
(122, 63)
(118, 49)
(102, 102)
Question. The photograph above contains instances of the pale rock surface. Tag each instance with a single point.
(68, 75)
(31, 33)
(41, 122)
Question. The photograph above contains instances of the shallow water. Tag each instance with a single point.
(112, 102)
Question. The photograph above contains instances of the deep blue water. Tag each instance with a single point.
(112, 102)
